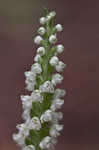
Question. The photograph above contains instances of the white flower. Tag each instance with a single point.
(54, 141)
(56, 116)
(47, 87)
(34, 123)
(26, 102)
(50, 15)
(30, 86)
(41, 51)
(36, 68)
(29, 147)
(59, 27)
(55, 129)
(60, 48)
(26, 114)
(59, 93)
(42, 91)
(48, 18)
(38, 40)
(46, 143)
(52, 39)
(46, 117)
(41, 30)
(42, 20)
(56, 78)
(22, 134)
(23, 129)
(57, 104)
(19, 139)
(54, 61)
(30, 80)
(37, 58)
(30, 75)
(60, 66)
(36, 96)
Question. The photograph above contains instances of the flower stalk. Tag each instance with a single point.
(41, 108)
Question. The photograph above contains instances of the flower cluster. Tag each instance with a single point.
(41, 108)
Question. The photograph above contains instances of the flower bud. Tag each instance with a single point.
(60, 48)
(37, 58)
(38, 40)
(52, 39)
(54, 61)
(60, 66)
(59, 27)
(50, 15)
(42, 20)
(36, 68)
(41, 51)
(41, 30)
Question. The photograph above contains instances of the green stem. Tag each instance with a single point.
(37, 107)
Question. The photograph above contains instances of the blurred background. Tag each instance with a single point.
(19, 20)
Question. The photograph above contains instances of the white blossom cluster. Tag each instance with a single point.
(42, 88)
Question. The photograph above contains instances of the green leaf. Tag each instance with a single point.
(44, 131)
(28, 141)
(36, 109)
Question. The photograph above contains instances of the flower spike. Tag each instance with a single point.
(41, 108)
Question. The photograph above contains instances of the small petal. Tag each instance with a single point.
(59, 27)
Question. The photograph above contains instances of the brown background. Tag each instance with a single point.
(18, 25)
